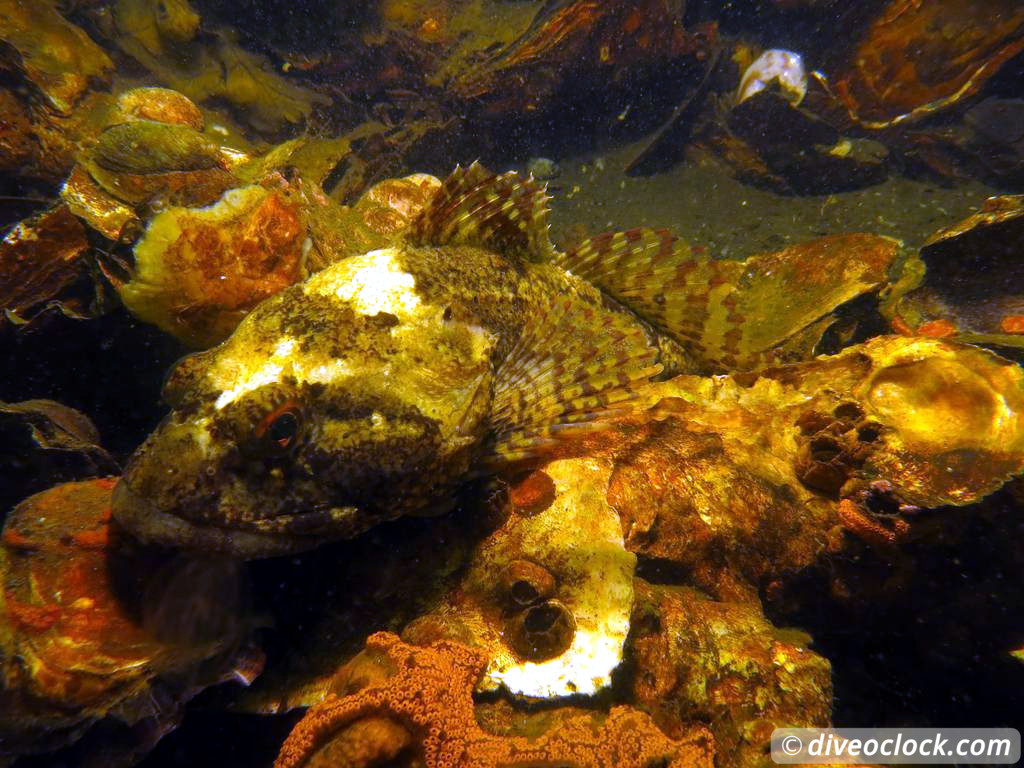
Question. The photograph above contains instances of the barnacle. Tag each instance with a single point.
(548, 594)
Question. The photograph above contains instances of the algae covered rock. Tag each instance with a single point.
(57, 57)
(198, 271)
(75, 651)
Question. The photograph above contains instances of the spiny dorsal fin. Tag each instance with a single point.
(505, 213)
(656, 275)
(573, 362)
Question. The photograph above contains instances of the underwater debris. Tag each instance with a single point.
(724, 664)
(163, 37)
(394, 695)
(46, 443)
(72, 649)
(917, 59)
(44, 265)
(955, 295)
(775, 66)
(57, 57)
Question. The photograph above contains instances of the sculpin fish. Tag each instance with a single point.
(379, 385)
(373, 389)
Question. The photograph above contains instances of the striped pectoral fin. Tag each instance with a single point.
(505, 213)
(573, 364)
(734, 315)
(659, 277)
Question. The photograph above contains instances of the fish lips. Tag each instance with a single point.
(143, 519)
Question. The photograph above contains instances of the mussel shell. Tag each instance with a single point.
(145, 146)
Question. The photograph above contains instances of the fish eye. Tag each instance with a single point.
(278, 432)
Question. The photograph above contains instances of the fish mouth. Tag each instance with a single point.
(282, 535)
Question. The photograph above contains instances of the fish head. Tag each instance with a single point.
(336, 404)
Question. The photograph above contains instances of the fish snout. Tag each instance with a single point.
(166, 488)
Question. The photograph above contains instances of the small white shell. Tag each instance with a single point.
(785, 67)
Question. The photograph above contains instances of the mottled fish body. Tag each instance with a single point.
(375, 387)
